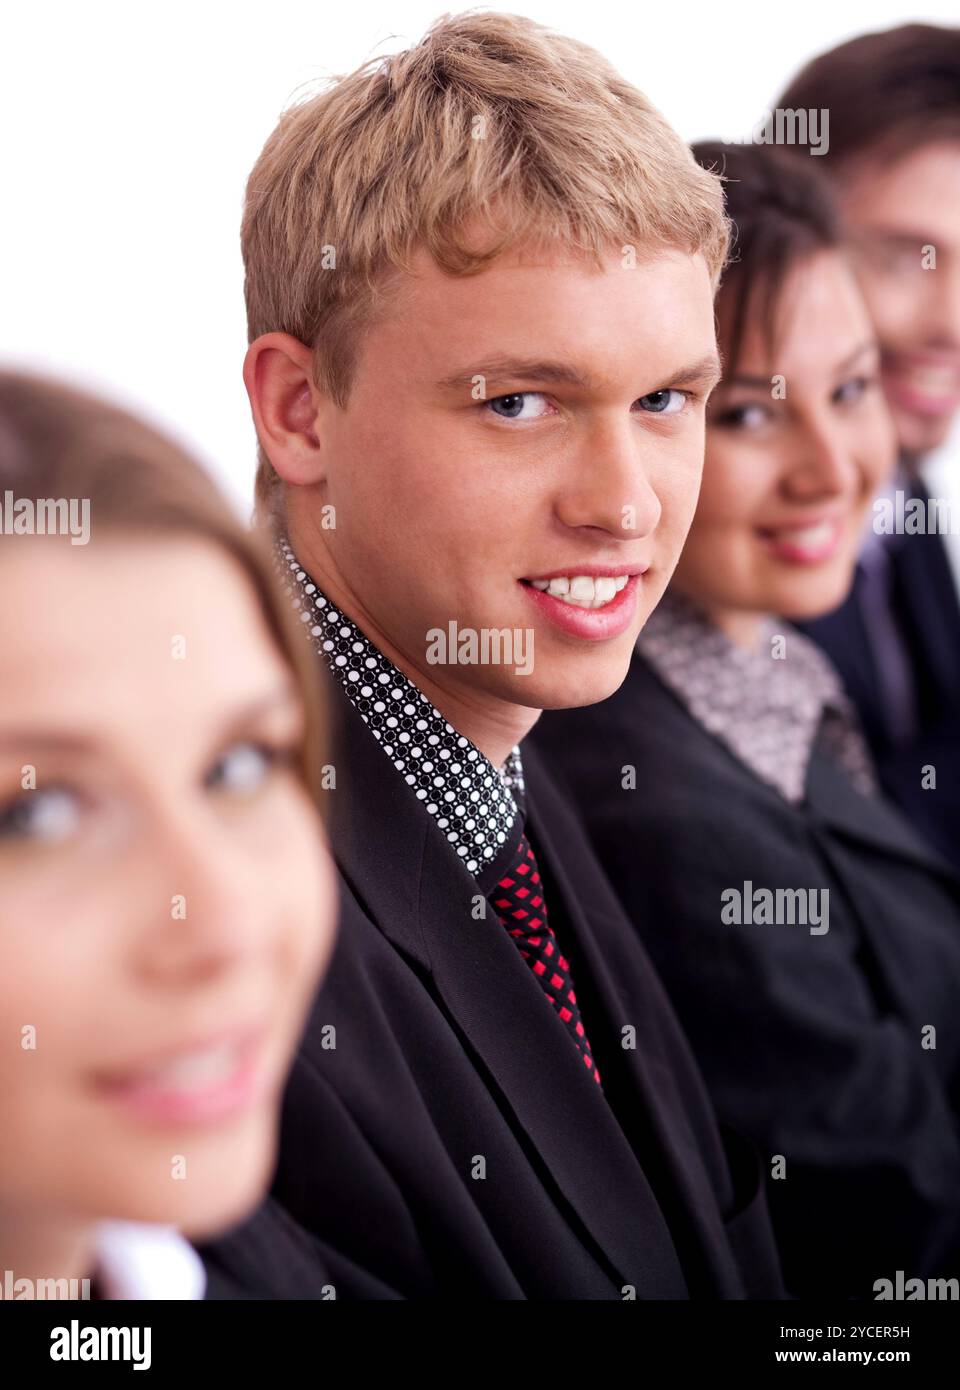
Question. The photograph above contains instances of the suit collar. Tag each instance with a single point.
(378, 830)
(872, 820)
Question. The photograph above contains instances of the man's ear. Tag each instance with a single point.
(278, 375)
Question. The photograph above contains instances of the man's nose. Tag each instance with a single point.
(608, 484)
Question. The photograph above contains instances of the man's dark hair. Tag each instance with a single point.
(886, 92)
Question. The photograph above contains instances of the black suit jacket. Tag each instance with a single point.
(926, 609)
(451, 1143)
(270, 1256)
(809, 1044)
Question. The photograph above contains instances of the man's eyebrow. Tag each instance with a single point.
(562, 373)
(901, 235)
(20, 738)
(706, 369)
(763, 383)
(498, 368)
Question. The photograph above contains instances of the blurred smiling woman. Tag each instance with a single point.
(167, 901)
(814, 951)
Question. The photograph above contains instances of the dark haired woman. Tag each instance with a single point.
(814, 947)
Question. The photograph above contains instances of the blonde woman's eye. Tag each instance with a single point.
(852, 390)
(667, 402)
(512, 407)
(243, 769)
(45, 817)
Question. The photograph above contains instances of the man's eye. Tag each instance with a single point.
(511, 407)
(244, 768)
(45, 817)
(666, 402)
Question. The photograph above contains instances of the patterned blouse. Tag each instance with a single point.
(768, 704)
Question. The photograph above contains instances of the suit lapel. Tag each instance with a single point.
(930, 605)
(500, 1007)
(873, 821)
(421, 897)
(377, 829)
(842, 635)
(606, 945)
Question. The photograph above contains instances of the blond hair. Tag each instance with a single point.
(488, 111)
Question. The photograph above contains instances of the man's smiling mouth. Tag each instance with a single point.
(581, 590)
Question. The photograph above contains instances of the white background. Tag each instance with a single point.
(127, 131)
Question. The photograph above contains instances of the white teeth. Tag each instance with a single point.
(583, 590)
(197, 1069)
(809, 535)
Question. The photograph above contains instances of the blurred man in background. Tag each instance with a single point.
(894, 158)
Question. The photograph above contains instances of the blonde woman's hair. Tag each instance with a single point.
(60, 440)
(489, 116)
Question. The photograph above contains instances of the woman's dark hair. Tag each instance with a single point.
(57, 441)
(782, 212)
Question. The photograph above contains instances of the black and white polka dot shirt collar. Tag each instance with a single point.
(478, 808)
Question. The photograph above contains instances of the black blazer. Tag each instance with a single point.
(809, 1044)
(270, 1256)
(927, 610)
(451, 1143)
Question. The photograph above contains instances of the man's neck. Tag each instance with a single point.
(492, 725)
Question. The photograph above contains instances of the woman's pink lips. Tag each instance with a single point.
(165, 1101)
(797, 552)
(592, 624)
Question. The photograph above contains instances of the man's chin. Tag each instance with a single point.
(551, 675)
(580, 683)
(918, 435)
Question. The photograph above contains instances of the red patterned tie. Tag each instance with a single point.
(519, 903)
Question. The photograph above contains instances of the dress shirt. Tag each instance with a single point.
(477, 806)
(135, 1260)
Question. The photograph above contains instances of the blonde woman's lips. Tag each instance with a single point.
(200, 1084)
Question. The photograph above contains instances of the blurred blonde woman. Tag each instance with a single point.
(167, 900)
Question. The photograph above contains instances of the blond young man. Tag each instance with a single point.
(479, 283)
